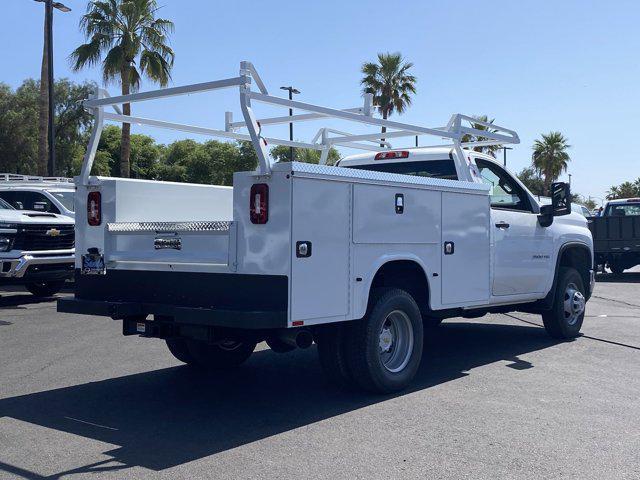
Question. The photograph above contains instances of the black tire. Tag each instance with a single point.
(179, 349)
(365, 359)
(332, 355)
(563, 320)
(45, 289)
(616, 268)
(278, 346)
(220, 356)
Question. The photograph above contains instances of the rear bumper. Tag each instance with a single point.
(58, 267)
(241, 319)
(212, 299)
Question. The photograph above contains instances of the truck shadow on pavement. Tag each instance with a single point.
(627, 277)
(164, 418)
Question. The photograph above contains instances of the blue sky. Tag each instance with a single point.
(534, 66)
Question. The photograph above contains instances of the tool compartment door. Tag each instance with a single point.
(320, 217)
(466, 266)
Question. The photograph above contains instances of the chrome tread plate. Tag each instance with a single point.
(186, 226)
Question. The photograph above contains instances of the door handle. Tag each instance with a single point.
(502, 225)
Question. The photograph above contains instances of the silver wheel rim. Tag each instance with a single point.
(395, 342)
(574, 304)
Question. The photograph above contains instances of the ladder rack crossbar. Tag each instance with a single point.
(455, 134)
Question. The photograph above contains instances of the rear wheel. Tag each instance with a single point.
(384, 349)
(227, 354)
(565, 318)
(179, 349)
(45, 289)
(332, 354)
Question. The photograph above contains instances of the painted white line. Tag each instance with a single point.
(89, 423)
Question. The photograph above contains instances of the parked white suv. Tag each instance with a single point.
(37, 249)
(42, 194)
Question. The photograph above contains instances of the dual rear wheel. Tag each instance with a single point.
(380, 353)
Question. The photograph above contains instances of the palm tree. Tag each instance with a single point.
(390, 83)
(550, 157)
(490, 149)
(130, 42)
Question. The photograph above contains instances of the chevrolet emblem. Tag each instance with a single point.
(53, 232)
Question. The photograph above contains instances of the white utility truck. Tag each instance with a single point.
(358, 257)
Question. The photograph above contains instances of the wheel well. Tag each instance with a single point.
(406, 275)
(578, 257)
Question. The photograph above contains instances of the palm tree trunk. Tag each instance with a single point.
(43, 124)
(125, 143)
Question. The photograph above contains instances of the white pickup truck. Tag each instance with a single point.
(36, 249)
(358, 257)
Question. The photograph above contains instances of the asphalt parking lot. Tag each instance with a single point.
(495, 398)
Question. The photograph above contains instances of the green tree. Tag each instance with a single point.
(624, 190)
(19, 127)
(532, 180)
(73, 123)
(490, 149)
(280, 153)
(390, 83)
(130, 42)
(550, 157)
(146, 154)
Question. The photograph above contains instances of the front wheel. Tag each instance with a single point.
(565, 318)
(45, 289)
(384, 349)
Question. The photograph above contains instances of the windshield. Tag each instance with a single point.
(434, 168)
(65, 198)
(623, 210)
(5, 206)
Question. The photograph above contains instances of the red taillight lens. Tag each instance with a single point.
(94, 208)
(259, 203)
(392, 155)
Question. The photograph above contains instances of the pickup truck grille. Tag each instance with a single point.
(44, 237)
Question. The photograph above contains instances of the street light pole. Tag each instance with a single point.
(504, 158)
(291, 91)
(49, 5)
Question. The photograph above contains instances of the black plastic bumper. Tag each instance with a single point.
(241, 319)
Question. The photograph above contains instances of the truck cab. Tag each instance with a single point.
(42, 194)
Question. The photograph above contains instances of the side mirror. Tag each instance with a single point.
(40, 206)
(545, 218)
(560, 199)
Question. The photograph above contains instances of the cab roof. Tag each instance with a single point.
(419, 154)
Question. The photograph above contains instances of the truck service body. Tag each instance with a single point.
(357, 257)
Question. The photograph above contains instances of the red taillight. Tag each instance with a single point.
(259, 203)
(392, 155)
(94, 208)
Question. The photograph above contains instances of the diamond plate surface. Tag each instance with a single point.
(191, 226)
(385, 177)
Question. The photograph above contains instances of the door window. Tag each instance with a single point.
(504, 190)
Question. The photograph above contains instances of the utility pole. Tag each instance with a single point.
(504, 158)
(49, 5)
(291, 91)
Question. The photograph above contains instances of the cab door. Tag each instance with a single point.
(522, 249)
